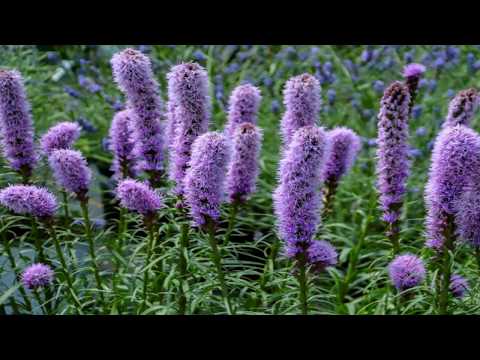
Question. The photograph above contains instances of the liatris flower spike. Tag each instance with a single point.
(302, 101)
(36, 276)
(60, 136)
(412, 74)
(296, 199)
(454, 170)
(71, 171)
(462, 108)
(392, 156)
(297, 202)
(344, 147)
(132, 71)
(204, 182)
(458, 286)
(188, 90)
(243, 107)
(122, 145)
(29, 199)
(16, 124)
(321, 254)
(406, 271)
(139, 197)
(243, 169)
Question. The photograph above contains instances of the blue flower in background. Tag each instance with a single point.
(372, 142)
(232, 68)
(439, 63)
(417, 111)
(71, 91)
(146, 49)
(368, 113)
(199, 56)
(303, 56)
(267, 81)
(378, 86)
(106, 144)
(86, 125)
(275, 106)
(415, 153)
(331, 96)
(450, 93)
(53, 57)
(408, 57)
(432, 85)
(421, 131)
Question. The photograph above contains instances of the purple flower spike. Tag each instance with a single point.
(462, 108)
(344, 147)
(137, 196)
(406, 271)
(321, 254)
(412, 74)
(414, 70)
(37, 275)
(122, 145)
(458, 286)
(190, 103)
(243, 107)
(454, 167)
(16, 124)
(171, 128)
(60, 136)
(29, 199)
(132, 71)
(204, 181)
(392, 153)
(296, 200)
(71, 171)
(243, 169)
(302, 103)
(467, 216)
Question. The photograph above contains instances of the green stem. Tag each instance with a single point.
(446, 267)
(330, 188)
(151, 240)
(40, 302)
(182, 265)
(91, 246)
(66, 210)
(38, 245)
(13, 265)
(231, 221)
(218, 264)
(302, 282)
(63, 263)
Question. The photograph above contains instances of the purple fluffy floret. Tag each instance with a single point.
(71, 171)
(132, 70)
(190, 106)
(392, 152)
(406, 271)
(458, 286)
(16, 123)
(37, 276)
(122, 145)
(61, 136)
(462, 108)
(205, 178)
(302, 101)
(321, 254)
(414, 70)
(29, 199)
(454, 167)
(243, 107)
(138, 196)
(344, 147)
(296, 200)
(467, 216)
(243, 168)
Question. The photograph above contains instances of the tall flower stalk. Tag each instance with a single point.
(189, 116)
(301, 97)
(454, 167)
(72, 173)
(243, 169)
(122, 145)
(204, 188)
(132, 71)
(16, 125)
(412, 74)
(392, 157)
(345, 145)
(243, 107)
(462, 108)
(297, 205)
(141, 198)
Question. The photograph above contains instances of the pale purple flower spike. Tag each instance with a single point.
(243, 107)
(61, 136)
(30, 200)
